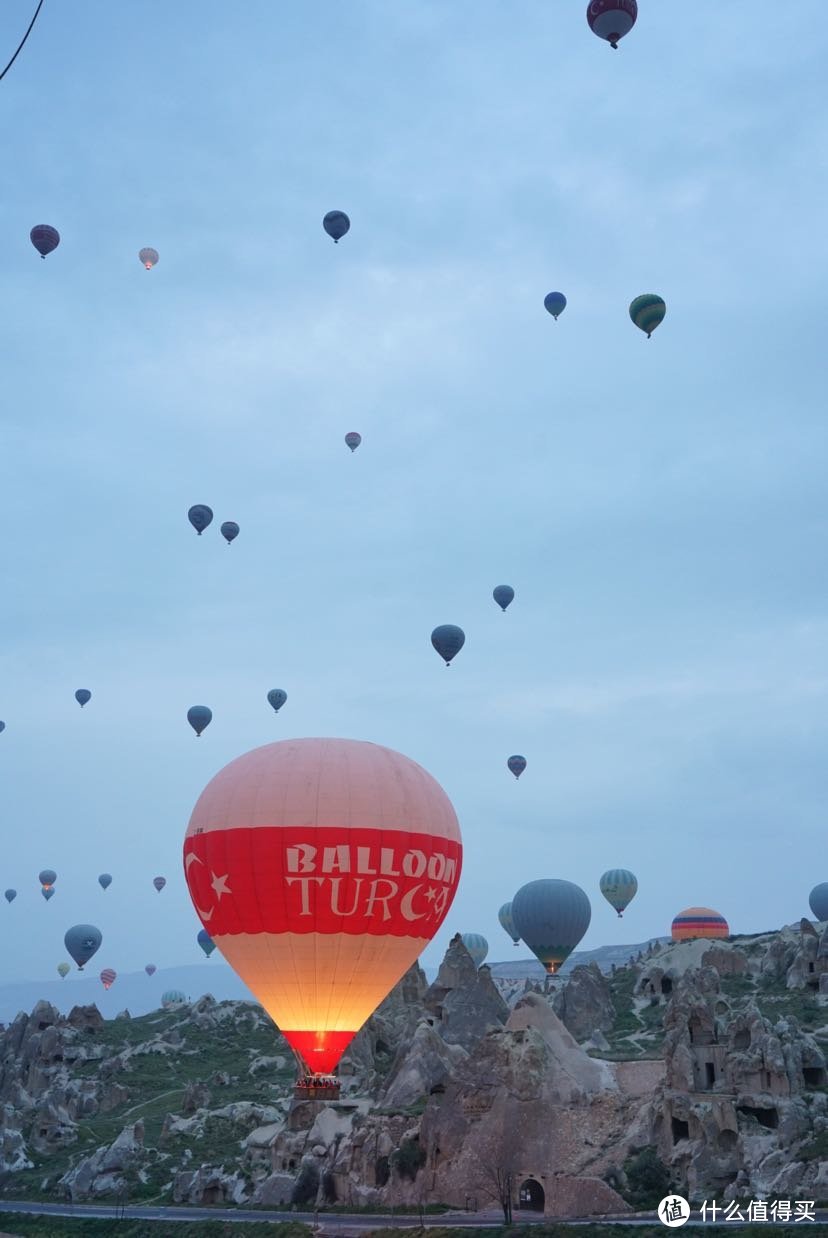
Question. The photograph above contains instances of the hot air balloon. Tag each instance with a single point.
(818, 898)
(206, 942)
(10, 895)
(199, 516)
(618, 886)
(81, 942)
(321, 868)
(476, 945)
(104, 881)
(148, 256)
(2, 727)
(336, 224)
(229, 531)
(199, 717)
(108, 977)
(159, 883)
(555, 303)
(277, 698)
(506, 922)
(63, 970)
(647, 311)
(503, 595)
(448, 640)
(172, 997)
(516, 765)
(698, 922)
(45, 238)
(612, 19)
(353, 439)
(47, 877)
(551, 916)
(48, 892)
(82, 696)
(150, 969)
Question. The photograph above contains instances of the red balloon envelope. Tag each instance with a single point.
(321, 868)
(108, 977)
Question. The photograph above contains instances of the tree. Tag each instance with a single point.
(496, 1180)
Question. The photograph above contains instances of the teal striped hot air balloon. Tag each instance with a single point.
(476, 945)
(618, 886)
(507, 923)
(647, 311)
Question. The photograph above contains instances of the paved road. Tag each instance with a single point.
(342, 1223)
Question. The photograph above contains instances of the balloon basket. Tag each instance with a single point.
(317, 1087)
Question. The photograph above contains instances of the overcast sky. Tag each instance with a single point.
(658, 506)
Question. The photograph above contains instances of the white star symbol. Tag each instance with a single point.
(431, 894)
(220, 885)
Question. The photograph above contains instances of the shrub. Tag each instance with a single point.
(306, 1186)
(648, 1179)
(408, 1158)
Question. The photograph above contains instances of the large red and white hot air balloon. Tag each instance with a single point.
(321, 868)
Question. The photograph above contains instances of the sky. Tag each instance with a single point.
(658, 506)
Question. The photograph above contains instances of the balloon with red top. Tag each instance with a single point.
(321, 869)
(612, 19)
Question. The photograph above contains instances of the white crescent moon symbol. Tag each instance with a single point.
(205, 915)
(407, 904)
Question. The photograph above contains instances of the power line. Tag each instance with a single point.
(22, 41)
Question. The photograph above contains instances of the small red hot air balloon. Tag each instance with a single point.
(321, 868)
(108, 977)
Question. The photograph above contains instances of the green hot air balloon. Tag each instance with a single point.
(63, 970)
(647, 311)
(551, 916)
(81, 942)
(507, 923)
(476, 945)
(618, 886)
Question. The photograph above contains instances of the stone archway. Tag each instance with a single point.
(531, 1196)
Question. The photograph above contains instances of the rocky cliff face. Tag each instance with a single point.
(712, 1053)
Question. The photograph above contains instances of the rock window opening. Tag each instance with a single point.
(768, 1118)
(814, 1076)
(666, 985)
(709, 1074)
(681, 1130)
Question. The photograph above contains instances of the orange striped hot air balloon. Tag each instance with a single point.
(321, 868)
(699, 922)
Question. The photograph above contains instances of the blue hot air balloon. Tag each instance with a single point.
(277, 698)
(551, 916)
(206, 942)
(82, 941)
(199, 516)
(555, 303)
(48, 892)
(47, 877)
(448, 640)
(229, 531)
(517, 765)
(507, 923)
(353, 439)
(503, 595)
(476, 945)
(199, 717)
(10, 895)
(82, 696)
(818, 898)
(336, 224)
(2, 727)
(45, 238)
(104, 881)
